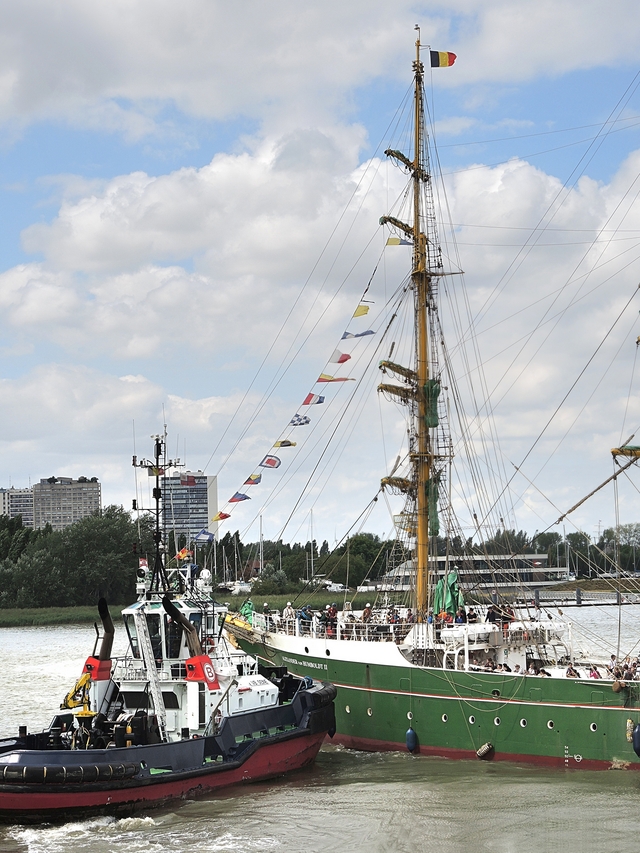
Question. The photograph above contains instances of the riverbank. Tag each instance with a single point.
(28, 617)
(34, 616)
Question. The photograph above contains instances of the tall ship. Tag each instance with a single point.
(180, 714)
(435, 677)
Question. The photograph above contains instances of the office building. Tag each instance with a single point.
(15, 502)
(190, 501)
(61, 501)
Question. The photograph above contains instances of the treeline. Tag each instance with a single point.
(582, 555)
(98, 556)
(75, 566)
(288, 567)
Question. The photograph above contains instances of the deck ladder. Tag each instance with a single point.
(152, 670)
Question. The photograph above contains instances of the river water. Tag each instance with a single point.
(349, 801)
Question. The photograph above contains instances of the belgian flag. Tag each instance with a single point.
(442, 59)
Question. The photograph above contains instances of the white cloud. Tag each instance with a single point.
(201, 266)
(113, 65)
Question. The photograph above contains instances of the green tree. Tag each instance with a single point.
(77, 565)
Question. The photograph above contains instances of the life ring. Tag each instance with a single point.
(208, 644)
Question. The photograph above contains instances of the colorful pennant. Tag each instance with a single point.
(348, 335)
(204, 536)
(253, 480)
(187, 480)
(398, 241)
(324, 377)
(299, 420)
(155, 472)
(270, 462)
(312, 400)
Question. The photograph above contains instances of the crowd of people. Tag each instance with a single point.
(498, 615)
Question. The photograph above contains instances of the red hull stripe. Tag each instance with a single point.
(267, 762)
(371, 745)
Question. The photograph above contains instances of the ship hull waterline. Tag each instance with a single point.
(55, 802)
(561, 723)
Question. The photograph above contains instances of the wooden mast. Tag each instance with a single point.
(422, 392)
(421, 281)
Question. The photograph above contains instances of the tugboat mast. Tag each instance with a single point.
(156, 468)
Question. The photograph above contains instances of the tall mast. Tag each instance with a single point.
(421, 281)
(421, 388)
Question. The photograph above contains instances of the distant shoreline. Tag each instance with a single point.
(34, 616)
(29, 617)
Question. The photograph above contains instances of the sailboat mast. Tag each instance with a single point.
(421, 281)
(421, 386)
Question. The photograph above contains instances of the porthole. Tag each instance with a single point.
(523, 723)
(369, 712)
(495, 693)
(550, 724)
(328, 652)
(472, 719)
(306, 649)
(347, 709)
(593, 727)
(496, 721)
(444, 718)
(409, 715)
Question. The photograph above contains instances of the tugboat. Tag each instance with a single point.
(183, 713)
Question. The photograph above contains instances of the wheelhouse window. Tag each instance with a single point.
(129, 624)
(173, 637)
(153, 626)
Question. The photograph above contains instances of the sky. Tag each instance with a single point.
(189, 206)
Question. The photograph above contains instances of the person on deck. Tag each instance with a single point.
(306, 619)
(367, 613)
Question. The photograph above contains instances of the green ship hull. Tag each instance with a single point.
(572, 723)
